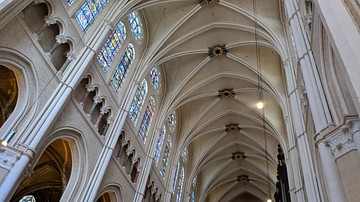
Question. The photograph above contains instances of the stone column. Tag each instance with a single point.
(39, 126)
(334, 184)
(89, 87)
(317, 101)
(69, 58)
(60, 39)
(108, 123)
(355, 133)
(103, 111)
(146, 167)
(337, 20)
(49, 20)
(299, 146)
(96, 100)
(92, 186)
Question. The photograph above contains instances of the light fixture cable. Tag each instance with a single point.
(259, 93)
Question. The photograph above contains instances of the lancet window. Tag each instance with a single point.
(88, 12)
(108, 52)
(146, 122)
(159, 145)
(121, 70)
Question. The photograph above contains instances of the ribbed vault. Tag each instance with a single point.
(215, 96)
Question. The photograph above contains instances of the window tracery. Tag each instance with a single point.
(27, 198)
(146, 122)
(88, 12)
(180, 186)
(121, 70)
(70, 2)
(138, 102)
(176, 174)
(159, 145)
(135, 25)
(112, 46)
(184, 154)
(154, 75)
(165, 160)
(171, 119)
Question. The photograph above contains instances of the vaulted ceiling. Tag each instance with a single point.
(215, 93)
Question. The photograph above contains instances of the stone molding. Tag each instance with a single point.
(8, 157)
(341, 141)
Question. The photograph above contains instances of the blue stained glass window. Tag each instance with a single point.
(192, 196)
(165, 160)
(88, 12)
(159, 145)
(180, 186)
(171, 119)
(70, 2)
(112, 46)
(138, 102)
(135, 25)
(121, 70)
(184, 154)
(154, 75)
(176, 174)
(27, 198)
(146, 122)
(194, 181)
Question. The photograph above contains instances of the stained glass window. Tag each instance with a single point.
(194, 181)
(176, 174)
(135, 25)
(27, 198)
(88, 12)
(192, 196)
(165, 160)
(146, 122)
(121, 70)
(154, 75)
(184, 154)
(180, 186)
(70, 2)
(171, 119)
(159, 145)
(138, 102)
(112, 46)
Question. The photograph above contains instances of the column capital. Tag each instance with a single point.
(341, 142)
(60, 39)
(49, 20)
(90, 87)
(97, 99)
(104, 110)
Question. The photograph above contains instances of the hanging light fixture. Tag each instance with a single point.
(260, 101)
